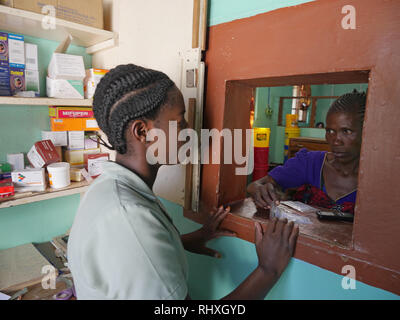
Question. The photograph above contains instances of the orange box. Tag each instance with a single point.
(74, 124)
(70, 112)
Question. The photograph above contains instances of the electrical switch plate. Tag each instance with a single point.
(191, 78)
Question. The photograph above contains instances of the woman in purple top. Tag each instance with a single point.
(325, 179)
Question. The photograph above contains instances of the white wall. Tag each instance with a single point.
(152, 33)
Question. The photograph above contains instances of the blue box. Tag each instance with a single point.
(5, 89)
(16, 51)
(3, 49)
(17, 80)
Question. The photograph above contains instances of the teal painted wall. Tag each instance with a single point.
(20, 128)
(277, 138)
(221, 11)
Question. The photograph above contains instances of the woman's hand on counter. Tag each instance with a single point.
(264, 192)
(196, 241)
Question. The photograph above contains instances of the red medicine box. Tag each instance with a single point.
(6, 188)
(42, 154)
(93, 163)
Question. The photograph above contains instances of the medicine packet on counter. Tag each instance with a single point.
(299, 206)
(281, 211)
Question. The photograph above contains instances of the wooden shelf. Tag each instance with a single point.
(30, 23)
(30, 197)
(46, 102)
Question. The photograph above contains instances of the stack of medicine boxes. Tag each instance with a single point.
(74, 133)
(72, 128)
(18, 65)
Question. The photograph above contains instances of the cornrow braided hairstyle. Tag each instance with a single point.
(128, 92)
(353, 102)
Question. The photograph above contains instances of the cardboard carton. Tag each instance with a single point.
(88, 12)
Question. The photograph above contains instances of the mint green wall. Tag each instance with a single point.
(277, 139)
(20, 128)
(221, 11)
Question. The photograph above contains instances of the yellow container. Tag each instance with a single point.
(261, 137)
(291, 133)
(291, 121)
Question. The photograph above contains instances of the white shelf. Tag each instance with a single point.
(46, 102)
(30, 23)
(30, 197)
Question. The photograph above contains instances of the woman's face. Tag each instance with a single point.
(174, 110)
(343, 133)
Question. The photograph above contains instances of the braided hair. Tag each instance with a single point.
(128, 92)
(353, 103)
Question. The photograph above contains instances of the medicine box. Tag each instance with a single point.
(16, 51)
(74, 124)
(31, 57)
(93, 163)
(42, 154)
(4, 49)
(66, 67)
(76, 140)
(6, 188)
(64, 89)
(76, 157)
(16, 160)
(91, 141)
(32, 81)
(92, 79)
(29, 180)
(5, 89)
(59, 138)
(17, 80)
(70, 112)
(76, 174)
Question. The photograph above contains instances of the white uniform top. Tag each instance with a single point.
(123, 244)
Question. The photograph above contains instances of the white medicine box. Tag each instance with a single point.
(31, 57)
(76, 140)
(16, 160)
(59, 138)
(66, 67)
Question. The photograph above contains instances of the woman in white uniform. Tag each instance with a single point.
(123, 244)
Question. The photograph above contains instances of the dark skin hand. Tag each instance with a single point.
(196, 241)
(265, 191)
(274, 246)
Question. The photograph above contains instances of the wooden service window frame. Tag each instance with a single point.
(220, 185)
